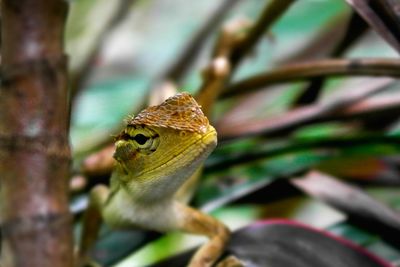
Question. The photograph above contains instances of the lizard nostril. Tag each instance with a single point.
(124, 152)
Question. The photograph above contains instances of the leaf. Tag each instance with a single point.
(234, 172)
(383, 16)
(281, 243)
(351, 200)
(239, 181)
(361, 167)
(118, 244)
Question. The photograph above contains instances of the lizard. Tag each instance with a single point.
(159, 149)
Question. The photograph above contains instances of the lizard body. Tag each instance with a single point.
(157, 152)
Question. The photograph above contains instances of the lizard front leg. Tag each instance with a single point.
(195, 222)
(91, 223)
(186, 219)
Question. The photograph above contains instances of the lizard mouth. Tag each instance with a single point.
(210, 137)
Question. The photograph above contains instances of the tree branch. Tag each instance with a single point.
(320, 68)
(300, 116)
(231, 47)
(34, 150)
(218, 70)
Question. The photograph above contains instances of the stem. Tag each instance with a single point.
(34, 150)
(320, 68)
(230, 49)
(302, 115)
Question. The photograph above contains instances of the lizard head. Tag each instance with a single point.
(171, 139)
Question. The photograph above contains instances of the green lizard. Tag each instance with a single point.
(160, 149)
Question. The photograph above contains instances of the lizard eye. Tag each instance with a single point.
(141, 139)
(144, 140)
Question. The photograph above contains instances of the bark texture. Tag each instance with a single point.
(34, 149)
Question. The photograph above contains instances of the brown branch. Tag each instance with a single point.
(34, 151)
(269, 15)
(320, 68)
(301, 116)
(214, 78)
(218, 70)
(231, 47)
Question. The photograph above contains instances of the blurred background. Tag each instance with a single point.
(308, 120)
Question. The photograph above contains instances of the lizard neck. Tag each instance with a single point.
(152, 187)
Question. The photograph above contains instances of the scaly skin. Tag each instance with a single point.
(160, 149)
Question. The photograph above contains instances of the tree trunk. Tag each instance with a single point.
(34, 149)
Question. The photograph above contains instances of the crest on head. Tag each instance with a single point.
(180, 112)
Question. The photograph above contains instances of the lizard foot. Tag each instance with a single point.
(231, 261)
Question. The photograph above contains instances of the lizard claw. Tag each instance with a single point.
(231, 261)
